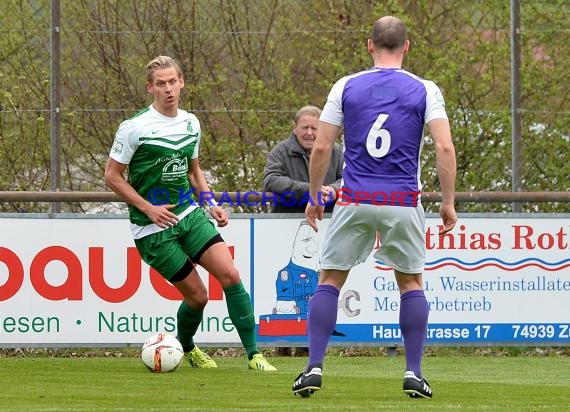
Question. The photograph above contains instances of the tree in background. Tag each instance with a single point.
(250, 64)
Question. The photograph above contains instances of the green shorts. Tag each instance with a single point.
(169, 250)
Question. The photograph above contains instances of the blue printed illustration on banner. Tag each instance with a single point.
(294, 286)
(297, 281)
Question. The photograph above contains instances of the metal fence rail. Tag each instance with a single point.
(460, 197)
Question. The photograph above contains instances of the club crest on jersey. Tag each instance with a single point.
(117, 147)
(175, 169)
(439, 98)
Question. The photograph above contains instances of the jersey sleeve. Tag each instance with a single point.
(435, 104)
(197, 129)
(125, 144)
(332, 111)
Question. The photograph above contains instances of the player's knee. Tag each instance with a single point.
(196, 299)
(201, 301)
(407, 282)
(229, 277)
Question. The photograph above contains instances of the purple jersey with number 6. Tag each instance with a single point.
(383, 112)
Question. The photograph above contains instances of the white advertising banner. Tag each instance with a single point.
(79, 281)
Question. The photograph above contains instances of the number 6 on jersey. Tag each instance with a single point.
(374, 134)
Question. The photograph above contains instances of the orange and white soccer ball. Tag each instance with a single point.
(162, 353)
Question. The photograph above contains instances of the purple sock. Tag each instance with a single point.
(414, 312)
(321, 320)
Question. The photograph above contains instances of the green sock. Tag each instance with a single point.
(188, 321)
(241, 314)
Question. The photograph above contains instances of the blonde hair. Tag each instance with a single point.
(307, 111)
(161, 62)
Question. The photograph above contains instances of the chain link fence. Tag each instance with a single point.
(71, 71)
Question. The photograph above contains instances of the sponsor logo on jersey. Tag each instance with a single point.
(175, 169)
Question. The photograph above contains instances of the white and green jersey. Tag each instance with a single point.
(158, 150)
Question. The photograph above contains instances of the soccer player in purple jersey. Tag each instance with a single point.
(383, 111)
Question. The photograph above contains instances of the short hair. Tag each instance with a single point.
(161, 62)
(389, 33)
(307, 111)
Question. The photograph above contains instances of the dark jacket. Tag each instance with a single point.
(287, 172)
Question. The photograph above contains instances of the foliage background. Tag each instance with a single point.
(250, 64)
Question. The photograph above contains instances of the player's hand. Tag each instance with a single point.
(328, 194)
(219, 215)
(162, 216)
(312, 213)
(449, 218)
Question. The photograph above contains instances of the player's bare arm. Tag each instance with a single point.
(446, 170)
(114, 179)
(198, 181)
(318, 166)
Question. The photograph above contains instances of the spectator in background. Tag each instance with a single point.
(287, 174)
(287, 171)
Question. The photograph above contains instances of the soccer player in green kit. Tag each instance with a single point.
(160, 145)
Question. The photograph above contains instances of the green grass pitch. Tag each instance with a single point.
(460, 383)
